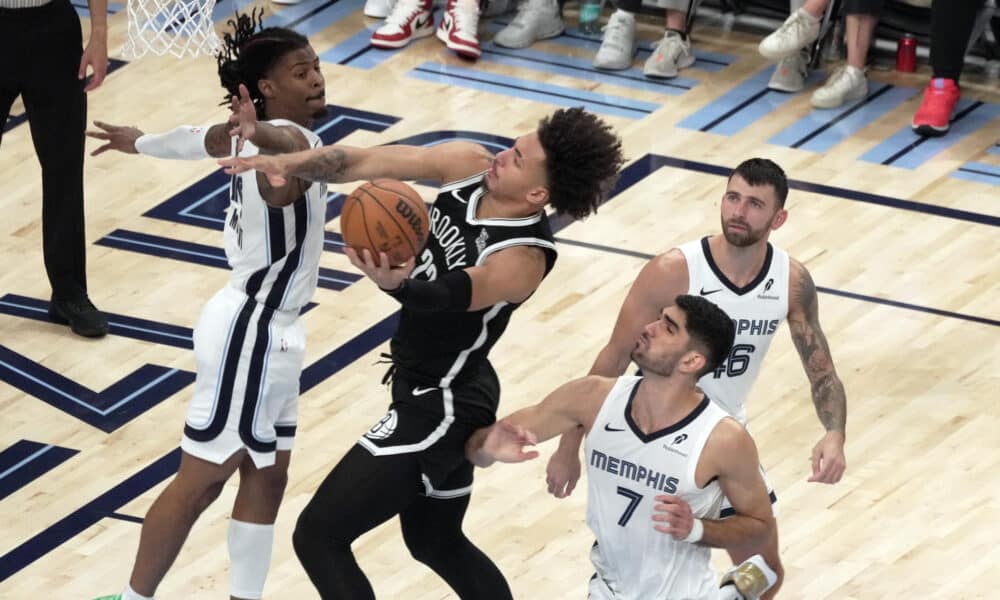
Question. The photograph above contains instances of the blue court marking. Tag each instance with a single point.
(26, 461)
(107, 504)
(979, 172)
(533, 90)
(138, 329)
(644, 166)
(79, 520)
(14, 120)
(569, 66)
(202, 254)
(908, 150)
(83, 9)
(574, 38)
(309, 19)
(121, 517)
(106, 410)
(741, 106)
(357, 51)
(820, 130)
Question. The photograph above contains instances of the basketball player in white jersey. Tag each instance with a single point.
(660, 457)
(759, 286)
(249, 342)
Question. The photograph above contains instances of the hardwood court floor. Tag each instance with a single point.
(905, 253)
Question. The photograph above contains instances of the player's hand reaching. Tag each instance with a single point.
(118, 138)
(274, 166)
(506, 441)
(243, 118)
(386, 276)
(828, 461)
(562, 472)
(673, 516)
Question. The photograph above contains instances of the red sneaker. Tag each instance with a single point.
(459, 28)
(934, 115)
(408, 20)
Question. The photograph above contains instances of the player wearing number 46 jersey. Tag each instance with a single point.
(759, 286)
(660, 456)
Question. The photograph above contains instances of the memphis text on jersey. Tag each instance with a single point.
(633, 472)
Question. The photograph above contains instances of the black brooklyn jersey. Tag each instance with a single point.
(442, 347)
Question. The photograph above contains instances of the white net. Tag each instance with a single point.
(178, 27)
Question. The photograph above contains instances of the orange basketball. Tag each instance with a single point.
(388, 216)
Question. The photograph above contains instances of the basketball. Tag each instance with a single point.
(388, 216)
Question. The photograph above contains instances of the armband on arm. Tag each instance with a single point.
(182, 143)
(452, 292)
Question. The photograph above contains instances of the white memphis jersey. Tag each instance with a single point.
(274, 251)
(756, 309)
(626, 470)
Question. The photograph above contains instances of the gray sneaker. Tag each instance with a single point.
(671, 54)
(790, 74)
(847, 83)
(535, 20)
(618, 43)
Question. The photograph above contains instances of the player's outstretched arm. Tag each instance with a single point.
(340, 164)
(181, 143)
(659, 282)
(828, 461)
(730, 456)
(571, 405)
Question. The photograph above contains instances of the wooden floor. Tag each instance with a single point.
(910, 302)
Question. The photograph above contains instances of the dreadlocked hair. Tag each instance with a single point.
(583, 155)
(249, 52)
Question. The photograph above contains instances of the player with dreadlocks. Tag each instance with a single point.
(249, 342)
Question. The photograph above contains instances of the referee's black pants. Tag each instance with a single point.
(41, 49)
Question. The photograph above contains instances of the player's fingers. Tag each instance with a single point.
(105, 126)
(98, 135)
(244, 93)
(101, 150)
(527, 455)
(570, 485)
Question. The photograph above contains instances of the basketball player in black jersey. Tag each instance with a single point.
(489, 248)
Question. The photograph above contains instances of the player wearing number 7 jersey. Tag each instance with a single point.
(759, 286)
(660, 457)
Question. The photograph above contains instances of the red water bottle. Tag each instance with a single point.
(906, 54)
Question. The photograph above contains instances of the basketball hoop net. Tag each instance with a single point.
(178, 27)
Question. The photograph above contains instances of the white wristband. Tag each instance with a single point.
(697, 530)
(182, 143)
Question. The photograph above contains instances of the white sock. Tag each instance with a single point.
(249, 557)
(130, 594)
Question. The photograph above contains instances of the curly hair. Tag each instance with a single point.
(709, 326)
(582, 158)
(249, 52)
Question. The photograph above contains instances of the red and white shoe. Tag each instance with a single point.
(933, 118)
(459, 28)
(409, 20)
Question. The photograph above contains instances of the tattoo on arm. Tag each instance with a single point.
(329, 164)
(827, 390)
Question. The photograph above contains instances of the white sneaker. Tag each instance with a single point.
(847, 83)
(409, 20)
(672, 53)
(798, 31)
(535, 20)
(459, 28)
(378, 9)
(618, 43)
(790, 74)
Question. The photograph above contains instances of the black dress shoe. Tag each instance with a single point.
(81, 315)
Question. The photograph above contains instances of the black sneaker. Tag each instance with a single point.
(81, 315)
